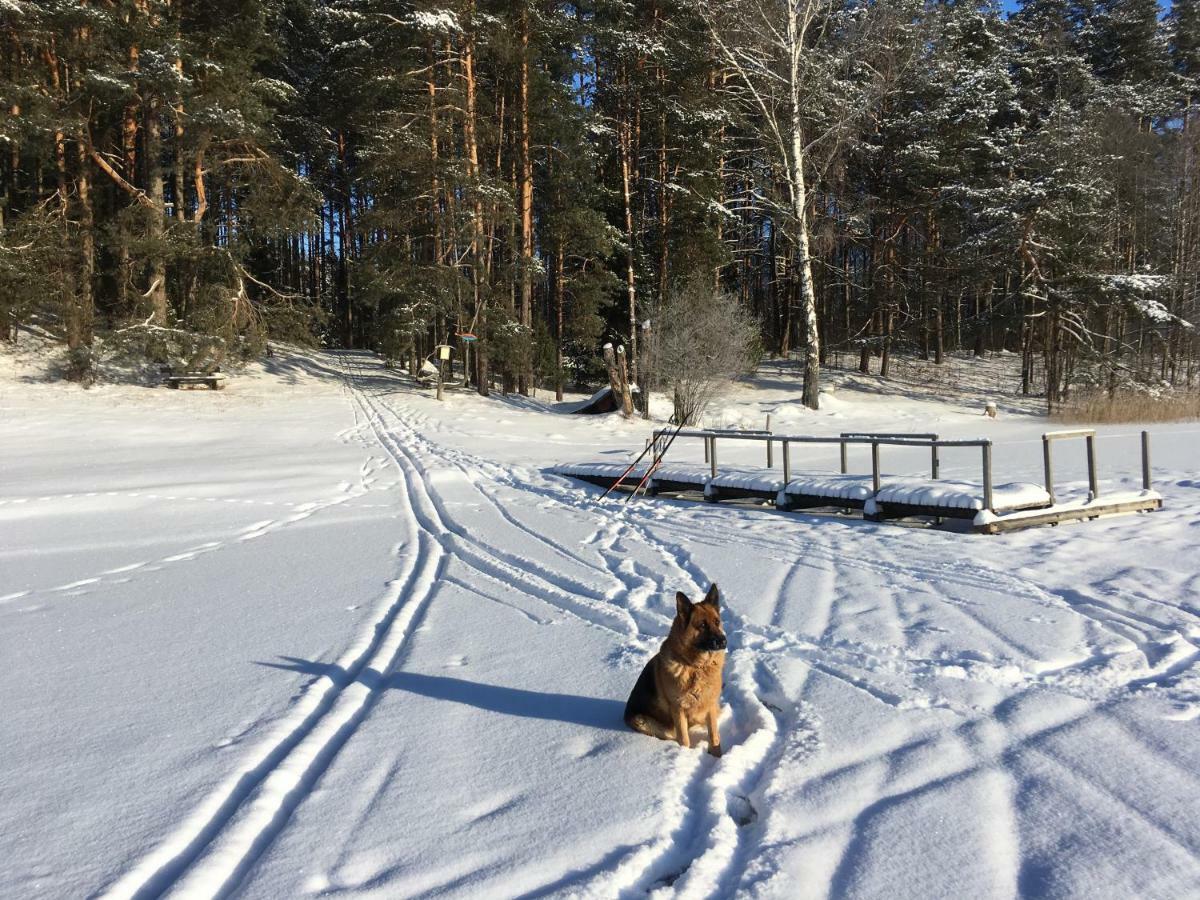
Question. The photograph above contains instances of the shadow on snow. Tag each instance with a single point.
(590, 712)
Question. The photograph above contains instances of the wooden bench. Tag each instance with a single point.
(214, 381)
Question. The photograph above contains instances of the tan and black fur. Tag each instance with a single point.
(681, 686)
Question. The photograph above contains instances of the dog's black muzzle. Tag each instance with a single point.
(713, 644)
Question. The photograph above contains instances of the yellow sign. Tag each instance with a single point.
(443, 351)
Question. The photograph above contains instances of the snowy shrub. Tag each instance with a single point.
(705, 339)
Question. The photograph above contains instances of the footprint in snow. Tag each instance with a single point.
(1183, 712)
(741, 810)
(455, 662)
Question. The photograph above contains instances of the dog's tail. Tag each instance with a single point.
(651, 726)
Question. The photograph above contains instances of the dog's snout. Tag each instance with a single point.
(718, 642)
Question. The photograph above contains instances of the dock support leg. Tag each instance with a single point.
(1049, 467)
(1093, 486)
(1145, 460)
(988, 501)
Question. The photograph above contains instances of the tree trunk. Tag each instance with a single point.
(526, 200)
(618, 379)
(157, 293)
(345, 227)
(558, 333)
(482, 383)
(939, 334)
(626, 148)
(81, 305)
(799, 198)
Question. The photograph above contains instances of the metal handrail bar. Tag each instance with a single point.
(906, 435)
(918, 438)
(1065, 435)
(811, 439)
(1089, 436)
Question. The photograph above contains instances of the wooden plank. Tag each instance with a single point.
(1073, 514)
(908, 510)
(812, 501)
(736, 493)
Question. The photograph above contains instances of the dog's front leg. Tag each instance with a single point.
(714, 731)
(681, 727)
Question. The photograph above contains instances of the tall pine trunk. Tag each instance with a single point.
(525, 377)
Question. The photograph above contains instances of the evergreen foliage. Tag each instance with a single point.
(181, 180)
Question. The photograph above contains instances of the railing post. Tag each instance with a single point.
(770, 457)
(1049, 466)
(844, 466)
(712, 455)
(874, 465)
(1145, 460)
(787, 462)
(935, 463)
(1093, 487)
(988, 500)
(706, 440)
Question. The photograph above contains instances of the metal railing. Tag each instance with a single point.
(874, 441)
(1089, 437)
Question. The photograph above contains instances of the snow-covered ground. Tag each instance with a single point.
(319, 634)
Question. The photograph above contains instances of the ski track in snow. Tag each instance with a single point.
(717, 833)
(300, 512)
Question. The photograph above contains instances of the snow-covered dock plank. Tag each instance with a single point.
(840, 490)
(737, 483)
(599, 470)
(1072, 511)
(896, 494)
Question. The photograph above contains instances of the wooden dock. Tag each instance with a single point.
(991, 508)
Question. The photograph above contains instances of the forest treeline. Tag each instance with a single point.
(182, 177)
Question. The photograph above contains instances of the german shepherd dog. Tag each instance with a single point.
(681, 686)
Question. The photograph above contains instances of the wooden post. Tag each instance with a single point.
(706, 454)
(935, 463)
(1145, 460)
(988, 500)
(844, 466)
(770, 456)
(874, 465)
(614, 362)
(787, 462)
(1093, 488)
(712, 454)
(1048, 466)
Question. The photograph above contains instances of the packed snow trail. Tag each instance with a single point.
(901, 720)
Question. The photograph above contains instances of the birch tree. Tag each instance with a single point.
(774, 49)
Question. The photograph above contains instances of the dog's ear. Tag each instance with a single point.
(713, 597)
(683, 606)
